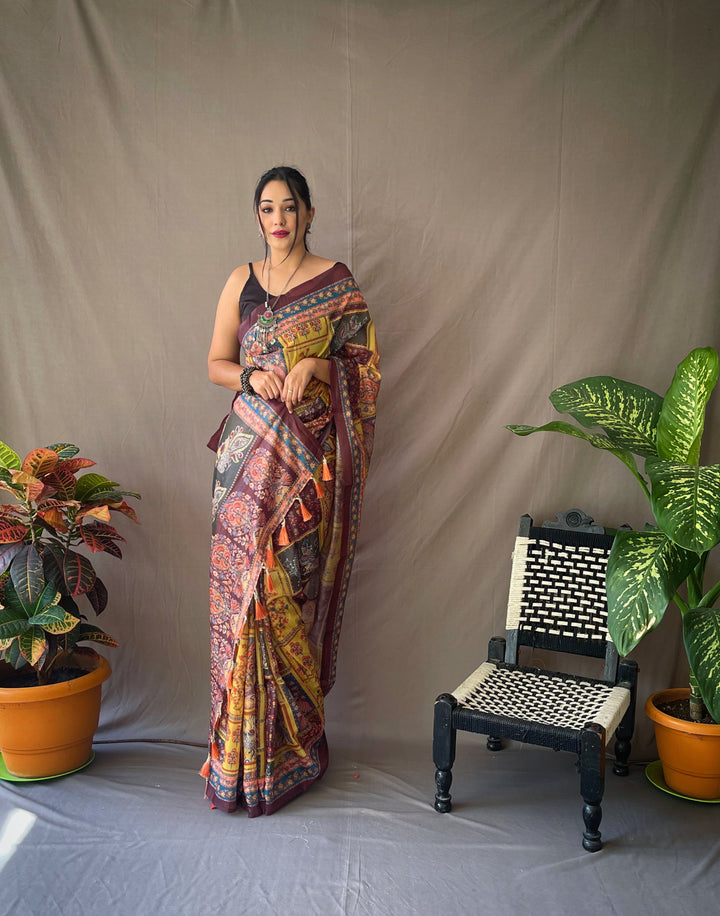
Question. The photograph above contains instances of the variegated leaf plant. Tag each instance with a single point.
(52, 512)
(665, 562)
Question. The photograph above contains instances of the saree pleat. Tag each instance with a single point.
(287, 497)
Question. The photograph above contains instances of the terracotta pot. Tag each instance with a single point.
(689, 752)
(46, 731)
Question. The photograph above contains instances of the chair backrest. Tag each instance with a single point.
(557, 596)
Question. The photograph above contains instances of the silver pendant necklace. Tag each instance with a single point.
(266, 324)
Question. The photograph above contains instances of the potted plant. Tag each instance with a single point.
(666, 562)
(53, 511)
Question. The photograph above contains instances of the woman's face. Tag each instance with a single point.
(281, 222)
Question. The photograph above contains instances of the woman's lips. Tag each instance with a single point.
(281, 234)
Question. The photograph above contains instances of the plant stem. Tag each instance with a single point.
(697, 706)
(684, 608)
(709, 598)
(695, 581)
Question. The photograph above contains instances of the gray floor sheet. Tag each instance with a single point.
(132, 834)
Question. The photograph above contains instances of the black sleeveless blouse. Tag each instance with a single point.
(252, 295)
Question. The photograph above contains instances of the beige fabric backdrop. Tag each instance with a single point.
(527, 193)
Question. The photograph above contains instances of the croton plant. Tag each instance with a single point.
(53, 511)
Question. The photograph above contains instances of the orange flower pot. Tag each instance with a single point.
(46, 731)
(689, 752)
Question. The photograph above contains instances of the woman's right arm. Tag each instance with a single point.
(224, 367)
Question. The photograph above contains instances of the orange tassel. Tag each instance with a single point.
(319, 489)
(269, 558)
(205, 769)
(229, 679)
(304, 512)
(269, 587)
(214, 751)
(283, 540)
(260, 612)
(326, 475)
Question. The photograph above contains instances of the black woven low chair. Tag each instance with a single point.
(557, 601)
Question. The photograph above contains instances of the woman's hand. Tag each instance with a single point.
(266, 385)
(297, 379)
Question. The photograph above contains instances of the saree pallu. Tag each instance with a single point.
(287, 497)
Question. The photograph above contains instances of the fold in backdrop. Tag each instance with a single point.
(527, 193)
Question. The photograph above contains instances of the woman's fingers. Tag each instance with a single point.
(293, 390)
(266, 384)
(296, 381)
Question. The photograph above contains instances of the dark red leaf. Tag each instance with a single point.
(125, 509)
(77, 464)
(98, 596)
(62, 480)
(8, 552)
(106, 530)
(11, 533)
(79, 573)
(97, 541)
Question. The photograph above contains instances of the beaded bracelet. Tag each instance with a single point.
(245, 385)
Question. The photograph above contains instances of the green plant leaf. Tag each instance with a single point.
(92, 633)
(27, 574)
(597, 441)
(15, 603)
(14, 657)
(12, 623)
(644, 571)
(55, 620)
(627, 413)
(107, 497)
(33, 646)
(682, 418)
(9, 458)
(686, 502)
(64, 449)
(90, 484)
(701, 633)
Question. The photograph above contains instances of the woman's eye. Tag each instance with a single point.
(290, 209)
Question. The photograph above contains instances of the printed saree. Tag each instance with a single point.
(287, 497)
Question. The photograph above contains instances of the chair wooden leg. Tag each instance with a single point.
(622, 755)
(592, 783)
(444, 737)
(628, 671)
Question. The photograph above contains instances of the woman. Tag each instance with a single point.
(294, 339)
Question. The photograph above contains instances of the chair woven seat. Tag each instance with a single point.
(546, 700)
(556, 602)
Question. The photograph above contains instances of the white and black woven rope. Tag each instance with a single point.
(545, 698)
(559, 589)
